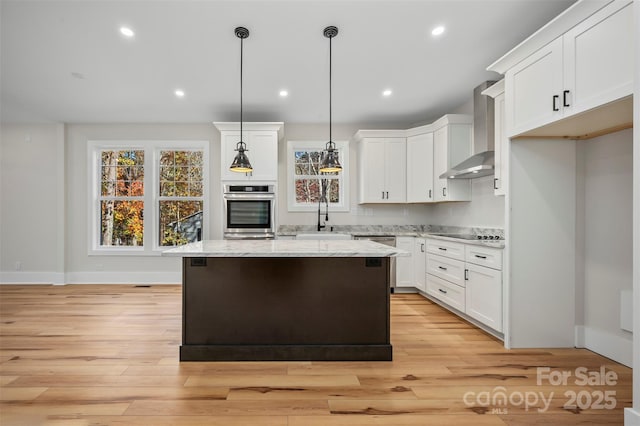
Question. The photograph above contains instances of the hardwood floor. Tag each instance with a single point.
(108, 355)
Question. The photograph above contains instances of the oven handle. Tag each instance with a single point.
(254, 196)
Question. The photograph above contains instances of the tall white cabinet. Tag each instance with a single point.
(382, 166)
(262, 149)
(501, 141)
(452, 140)
(420, 165)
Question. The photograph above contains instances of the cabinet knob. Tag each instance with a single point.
(555, 106)
(429, 193)
(442, 291)
(495, 183)
(466, 275)
(442, 268)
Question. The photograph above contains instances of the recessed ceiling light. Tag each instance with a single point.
(437, 30)
(387, 92)
(284, 93)
(179, 93)
(127, 32)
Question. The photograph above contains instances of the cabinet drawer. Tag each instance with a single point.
(446, 248)
(451, 294)
(445, 268)
(484, 256)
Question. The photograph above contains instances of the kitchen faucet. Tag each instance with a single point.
(323, 197)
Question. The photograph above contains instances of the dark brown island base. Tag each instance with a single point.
(285, 301)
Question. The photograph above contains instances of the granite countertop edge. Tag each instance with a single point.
(284, 248)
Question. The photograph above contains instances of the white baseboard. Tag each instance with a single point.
(120, 277)
(24, 277)
(166, 277)
(606, 344)
(631, 417)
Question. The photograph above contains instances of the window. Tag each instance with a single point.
(146, 195)
(180, 198)
(305, 183)
(121, 198)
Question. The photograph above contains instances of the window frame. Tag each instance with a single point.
(151, 198)
(343, 176)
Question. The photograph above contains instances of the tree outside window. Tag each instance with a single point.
(180, 197)
(121, 198)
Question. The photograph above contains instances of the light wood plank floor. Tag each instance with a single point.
(108, 355)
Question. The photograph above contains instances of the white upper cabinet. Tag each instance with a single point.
(420, 168)
(588, 66)
(598, 66)
(501, 141)
(534, 86)
(451, 145)
(382, 167)
(262, 149)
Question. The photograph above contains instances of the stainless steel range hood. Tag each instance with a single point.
(482, 162)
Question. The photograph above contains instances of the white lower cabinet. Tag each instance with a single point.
(411, 270)
(467, 278)
(483, 293)
(404, 264)
(420, 264)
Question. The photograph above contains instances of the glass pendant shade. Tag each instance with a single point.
(330, 162)
(241, 162)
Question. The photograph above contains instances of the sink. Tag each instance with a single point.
(323, 236)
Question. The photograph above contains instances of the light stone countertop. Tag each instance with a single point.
(486, 243)
(285, 248)
(424, 231)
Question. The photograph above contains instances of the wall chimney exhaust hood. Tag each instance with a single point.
(482, 162)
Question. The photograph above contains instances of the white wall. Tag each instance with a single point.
(484, 210)
(608, 264)
(32, 203)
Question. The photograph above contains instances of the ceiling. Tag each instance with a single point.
(66, 61)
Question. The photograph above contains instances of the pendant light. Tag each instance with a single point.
(330, 162)
(241, 162)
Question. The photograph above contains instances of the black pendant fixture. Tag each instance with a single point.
(330, 162)
(241, 162)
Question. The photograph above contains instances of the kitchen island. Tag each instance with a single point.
(285, 300)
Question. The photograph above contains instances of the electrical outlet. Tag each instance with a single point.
(18, 265)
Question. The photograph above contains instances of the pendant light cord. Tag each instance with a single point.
(241, 44)
(330, 56)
